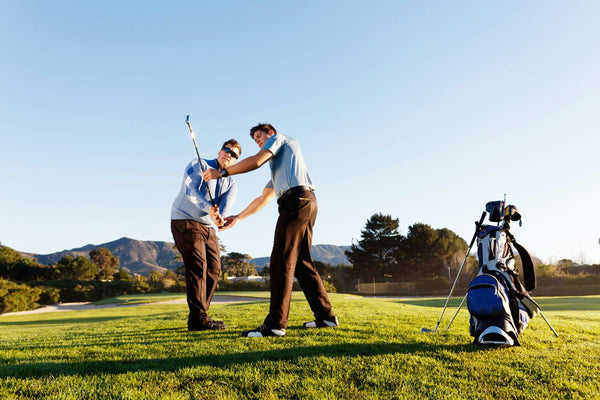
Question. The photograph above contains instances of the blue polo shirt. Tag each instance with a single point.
(193, 201)
(287, 165)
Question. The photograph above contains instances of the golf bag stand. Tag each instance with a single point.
(499, 304)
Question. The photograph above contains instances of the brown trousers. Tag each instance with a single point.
(291, 255)
(199, 247)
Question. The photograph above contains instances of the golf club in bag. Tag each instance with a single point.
(187, 121)
(499, 304)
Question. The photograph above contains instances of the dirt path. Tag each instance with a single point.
(218, 299)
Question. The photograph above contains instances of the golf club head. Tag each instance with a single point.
(425, 330)
(187, 119)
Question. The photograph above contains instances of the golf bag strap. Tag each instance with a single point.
(527, 262)
(528, 269)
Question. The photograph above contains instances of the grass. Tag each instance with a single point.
(378, 352)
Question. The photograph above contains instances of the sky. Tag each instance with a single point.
(421, 110)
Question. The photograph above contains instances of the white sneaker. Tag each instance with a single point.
(323, 323)
(263, 331)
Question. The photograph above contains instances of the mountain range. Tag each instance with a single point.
(143, 256)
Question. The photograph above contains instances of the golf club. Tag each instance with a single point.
(477, 225)
(187, 121)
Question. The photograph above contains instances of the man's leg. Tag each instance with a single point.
(295, 216)
(213, 264)
(190, 238)
(306, 273)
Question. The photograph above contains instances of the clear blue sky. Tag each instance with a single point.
(423, 110)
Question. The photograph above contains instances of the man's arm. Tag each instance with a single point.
(256, 205)
(246, 165)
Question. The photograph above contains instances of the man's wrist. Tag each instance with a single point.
(223, 173)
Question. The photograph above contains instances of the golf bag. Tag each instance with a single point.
(499, 304)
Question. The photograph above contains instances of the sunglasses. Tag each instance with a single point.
(230, 152)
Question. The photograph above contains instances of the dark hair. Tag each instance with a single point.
(233, 143)
(263, 127)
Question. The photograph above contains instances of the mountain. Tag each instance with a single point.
(136, 256)
(326, 253)
(142, 257)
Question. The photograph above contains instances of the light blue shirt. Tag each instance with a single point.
(193, 201)
(287, 165)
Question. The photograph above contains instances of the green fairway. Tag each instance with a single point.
(378, 352)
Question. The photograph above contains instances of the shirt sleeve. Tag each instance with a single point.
(274, 143)
(227, 200)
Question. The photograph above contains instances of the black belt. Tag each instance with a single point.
(297, 190)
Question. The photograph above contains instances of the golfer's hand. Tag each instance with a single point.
(216, 217)
(210, 174)
(229, 222)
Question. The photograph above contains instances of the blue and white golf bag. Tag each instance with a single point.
(499, 304)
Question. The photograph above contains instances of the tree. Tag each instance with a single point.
(106, 262)
(9, 256)
(122, 275)
(450, 248)
(237, 264)
(77, 268)
(432, 251)
(15, 267)
(564, 264)
(378, 251)
(419, 246)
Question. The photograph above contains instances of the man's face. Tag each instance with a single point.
(260, 137)
(227, 156)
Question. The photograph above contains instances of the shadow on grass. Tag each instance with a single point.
(87, 368)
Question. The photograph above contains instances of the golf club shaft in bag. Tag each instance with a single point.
(187, 121)
(477, 225)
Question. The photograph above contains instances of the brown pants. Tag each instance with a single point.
(199, 247)
(291, 254)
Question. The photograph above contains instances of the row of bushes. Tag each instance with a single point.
(22, 297)
(19, 297)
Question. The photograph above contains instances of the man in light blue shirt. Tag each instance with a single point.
(194, 223)
(291, 184)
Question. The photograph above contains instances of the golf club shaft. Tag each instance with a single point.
(187, 121)
(477, 225)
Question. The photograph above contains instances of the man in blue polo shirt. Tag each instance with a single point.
(291, 184)
(194, 222)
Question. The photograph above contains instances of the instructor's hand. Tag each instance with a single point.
(210, 174)
(229, 222)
